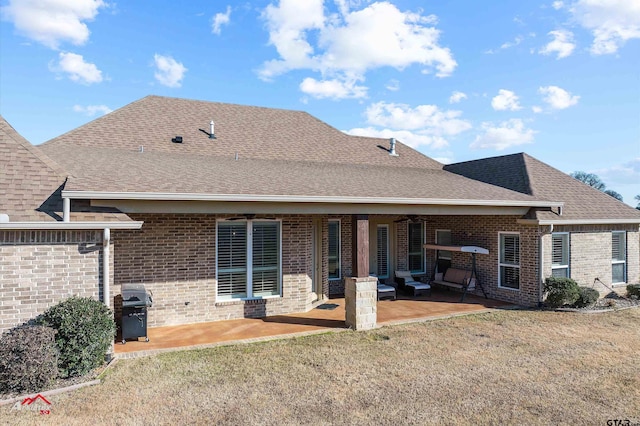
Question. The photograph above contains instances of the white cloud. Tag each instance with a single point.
(219, 20)
(393, 85)
(422, 125)
(513, 43)
(51, 22)
(333, 89)
(346, 45)
(623, 174)
(557, 5)
(91, 110)
(504, 135)
(536, 109)
(562, 44)
(505, 100)
(76, 68)
(558, 98)
(457, 97)
(509, 44)
(611, 22)
(169, 72)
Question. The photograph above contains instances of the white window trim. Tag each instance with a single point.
(384, 225)
(248, 223)
(500, 264)
(619, 262)
(568, 265)
(424, 240)
(339, 248)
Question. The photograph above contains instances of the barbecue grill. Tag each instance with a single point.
(135, 301)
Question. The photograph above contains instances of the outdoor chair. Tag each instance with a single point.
(407, 283)
(385, 291)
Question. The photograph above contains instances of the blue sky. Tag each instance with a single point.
(458, 80)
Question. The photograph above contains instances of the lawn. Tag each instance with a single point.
(509, 367)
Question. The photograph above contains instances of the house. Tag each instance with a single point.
(227, 211)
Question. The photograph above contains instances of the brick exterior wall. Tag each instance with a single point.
(483, 231)
(590, 254)
(173, 255)
(41, 268)
(402, 240)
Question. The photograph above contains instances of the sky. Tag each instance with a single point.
(457, 80)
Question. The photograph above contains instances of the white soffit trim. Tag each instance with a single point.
(579, 222)
(163, 196)
(61, 226)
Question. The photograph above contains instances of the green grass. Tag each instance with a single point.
(510, 367)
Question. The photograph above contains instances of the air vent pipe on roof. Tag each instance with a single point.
(392, 147)
(212, 134)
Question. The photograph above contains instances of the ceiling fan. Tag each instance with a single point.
(407, 218)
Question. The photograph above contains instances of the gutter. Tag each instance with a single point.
(62, 226)
(579, 222)
(168, 196)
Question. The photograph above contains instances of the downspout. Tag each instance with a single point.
(541, 272)
(106, 267)
(66, 208)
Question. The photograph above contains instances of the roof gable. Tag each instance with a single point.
(524, 173)
(28, 176)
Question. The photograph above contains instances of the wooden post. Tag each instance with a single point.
(360, 244)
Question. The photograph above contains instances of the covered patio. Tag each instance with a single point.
(329, 316)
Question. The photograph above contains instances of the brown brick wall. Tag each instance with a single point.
(173, 255)
(590, 254)
(483, 231)
(402, 240)
(41, 268)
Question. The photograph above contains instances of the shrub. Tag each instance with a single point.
(561, 291)
(587, 297)
(633, 290)
(85, 331)
(28, 359)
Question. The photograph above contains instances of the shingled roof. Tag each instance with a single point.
(256, 151)
(31, 182)
(249, 131)
(28, 177)
(527, 175)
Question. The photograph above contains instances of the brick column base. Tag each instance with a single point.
(361, 298)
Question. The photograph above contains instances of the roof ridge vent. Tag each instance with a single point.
(392, 147)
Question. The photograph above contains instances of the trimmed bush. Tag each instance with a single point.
(588, 296)
(633, 290)
(85, 331)
(28, 359)
(561, 291)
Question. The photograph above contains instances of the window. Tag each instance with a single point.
(443, 262)
(416, 249)
(382, 254)
(509, 263)
(248, 259)
(619, 257)
(334, 249)
(560, 255)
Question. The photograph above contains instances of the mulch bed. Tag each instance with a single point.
(609, 303)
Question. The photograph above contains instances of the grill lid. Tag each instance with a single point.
(135, 295)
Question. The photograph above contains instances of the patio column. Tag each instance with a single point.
(361, 293)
